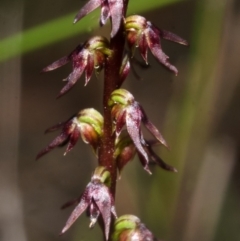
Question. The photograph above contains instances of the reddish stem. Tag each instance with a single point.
(111, 80)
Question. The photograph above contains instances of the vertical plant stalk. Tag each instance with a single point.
(111, 78)
(121, 114)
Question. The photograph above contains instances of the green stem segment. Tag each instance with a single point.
(111, 80)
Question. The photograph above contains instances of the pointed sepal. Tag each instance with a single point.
(86, 9)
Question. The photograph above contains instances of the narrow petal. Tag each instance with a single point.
(56, 142)
(64, 60)
(153, 41)
(70, 203)
(73, 139)
(159, 161)
(133, 123)
(81, 207)
(86, 9)
(65, 125)
(55, 127)
(116, 12)
(172, 37)
(143, 47)
(89, 68)
(152, 128)
(72, 79)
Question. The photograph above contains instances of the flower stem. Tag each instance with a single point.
(111, 80)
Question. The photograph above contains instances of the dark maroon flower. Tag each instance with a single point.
(143, 34)
(128, 112)
(86, 57)
(125, 151)
(109, 9)
(97, 200)
(130, 228)
(87, 124)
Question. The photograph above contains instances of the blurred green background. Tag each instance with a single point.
(197, 111)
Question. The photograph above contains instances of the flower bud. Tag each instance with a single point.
(122, 97)
(135, 23)
(91, 117)
(102, 175)
(130, 228)
(125, 151)
(99, 43)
